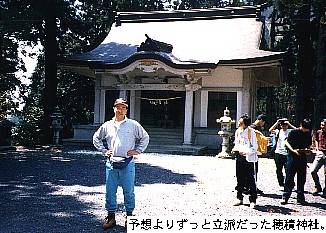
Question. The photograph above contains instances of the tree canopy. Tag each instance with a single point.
(65, 27)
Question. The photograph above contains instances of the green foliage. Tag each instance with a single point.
(9, 64)
(297, 24)
(283, 104)
(28, 131)
(138, 5)
(75, 100)
(82, 25)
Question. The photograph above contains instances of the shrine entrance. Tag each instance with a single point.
(162, 109)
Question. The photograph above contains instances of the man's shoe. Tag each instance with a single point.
(246, 191)
(302, 202)
(324, 193)
(238, 202)
(109, 222)
(126, 221)
(259, 191)
(284, 201)
(253, 205)
(316, 191)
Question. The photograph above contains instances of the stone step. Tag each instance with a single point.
(177, 149)
(161, 140)
(163, 129)
(161, 148)
(168, 141)
(159, 132)
(164, 135)
(77, 142)
(159, 136)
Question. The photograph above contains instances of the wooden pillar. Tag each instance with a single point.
(99, 105)
(187, 133)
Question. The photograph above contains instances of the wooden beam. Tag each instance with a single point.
(171, 87)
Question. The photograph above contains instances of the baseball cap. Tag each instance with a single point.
(120, 101)
(261, 117)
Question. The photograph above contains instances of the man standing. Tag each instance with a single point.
(259, 122)
(320, 158)
(258, 125)
(245, 149)
(298, 143)
(125, 139)
(281, 152)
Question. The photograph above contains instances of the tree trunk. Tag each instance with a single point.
(51, 82)
(320, 104)
(305, 62)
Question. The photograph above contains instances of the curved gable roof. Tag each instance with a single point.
(197, 40)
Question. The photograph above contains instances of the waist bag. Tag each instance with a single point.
(121, 164)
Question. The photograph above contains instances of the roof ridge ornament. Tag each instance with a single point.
(151, 45)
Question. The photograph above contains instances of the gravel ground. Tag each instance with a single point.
(62, 190)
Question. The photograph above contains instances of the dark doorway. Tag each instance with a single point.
(163, 109)
(110, 97)
(217, 101)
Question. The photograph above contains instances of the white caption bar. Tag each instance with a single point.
(141, 224)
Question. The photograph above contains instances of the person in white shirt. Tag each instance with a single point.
(281, 151)
(245, 150)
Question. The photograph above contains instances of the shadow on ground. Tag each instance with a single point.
(149, 174)
(271, 209)
(29, 185)
(40, 190)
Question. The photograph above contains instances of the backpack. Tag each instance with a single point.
(262, 141)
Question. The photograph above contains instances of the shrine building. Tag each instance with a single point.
(179, 70)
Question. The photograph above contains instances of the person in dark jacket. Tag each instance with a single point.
(298, 143)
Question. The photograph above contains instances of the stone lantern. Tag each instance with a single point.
(225, 132)
(56, 118)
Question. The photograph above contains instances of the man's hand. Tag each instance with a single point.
(242, 154)
(107, 153)
(296, 152)
(132, 153)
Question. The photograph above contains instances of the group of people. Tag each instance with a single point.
(121, 139)
(291, 147)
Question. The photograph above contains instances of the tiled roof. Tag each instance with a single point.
(202, 38)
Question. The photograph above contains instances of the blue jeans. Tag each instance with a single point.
(319, 161)
(120, 177)
(296, 165)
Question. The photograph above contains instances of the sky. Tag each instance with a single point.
(30, 64)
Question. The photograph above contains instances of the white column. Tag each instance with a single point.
(188, 118)
(102, 106)
(239, 105)
(132, 104)
(197, 109)
(246, 94)
(123, 94)
(99, 105)
(137, 105)
(204, 108)
(187, 133)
